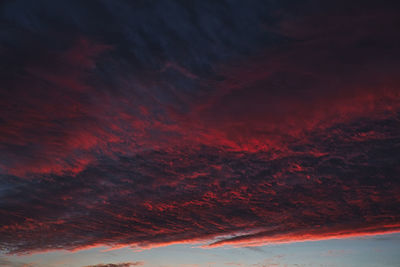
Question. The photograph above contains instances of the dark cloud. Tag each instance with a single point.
(154, 122)
(125, 264)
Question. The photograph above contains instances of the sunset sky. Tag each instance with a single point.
(191, 133)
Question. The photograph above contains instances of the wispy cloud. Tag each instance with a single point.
(124, 264)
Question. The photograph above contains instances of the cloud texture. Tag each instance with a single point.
(148, 123)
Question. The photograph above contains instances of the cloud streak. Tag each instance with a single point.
(124, 264)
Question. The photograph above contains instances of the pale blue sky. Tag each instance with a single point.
(373, 251)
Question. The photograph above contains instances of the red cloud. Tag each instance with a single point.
(300, 142)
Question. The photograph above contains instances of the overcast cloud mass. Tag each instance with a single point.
(148, 123)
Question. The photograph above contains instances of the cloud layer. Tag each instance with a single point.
(151, 123)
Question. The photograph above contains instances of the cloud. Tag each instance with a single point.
(6, 263)
(233, 264)
(125, 264)
(222, 123)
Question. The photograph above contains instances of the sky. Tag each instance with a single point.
(199, 133)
